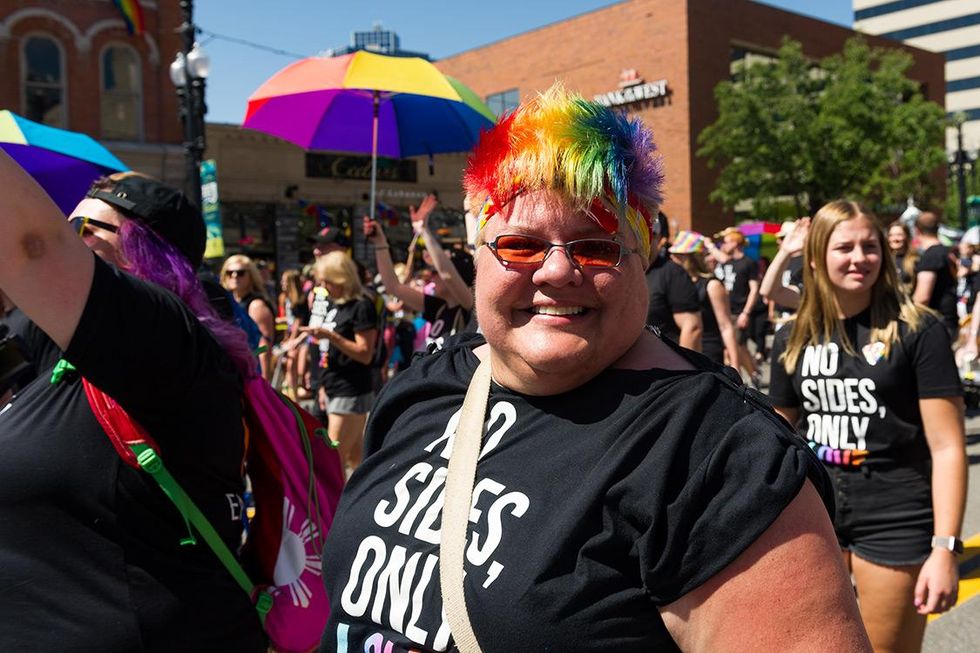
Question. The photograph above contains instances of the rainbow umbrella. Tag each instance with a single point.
(368, 103)
(64, 163)
(760, 239)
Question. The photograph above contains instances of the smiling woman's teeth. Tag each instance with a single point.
(557, 310)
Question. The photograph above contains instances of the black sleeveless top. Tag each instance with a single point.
(247, 300)
(711, 343)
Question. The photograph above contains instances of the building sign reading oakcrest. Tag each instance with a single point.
(632, 89)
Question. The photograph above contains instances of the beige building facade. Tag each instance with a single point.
(274, 195)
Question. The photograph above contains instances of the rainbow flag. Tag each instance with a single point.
(132, 13)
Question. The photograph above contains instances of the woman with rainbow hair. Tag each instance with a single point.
(623, 494)
(93, 555)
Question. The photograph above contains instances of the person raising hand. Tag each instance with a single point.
(448, 309)
(774, 287)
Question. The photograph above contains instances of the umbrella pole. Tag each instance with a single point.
(374, 151)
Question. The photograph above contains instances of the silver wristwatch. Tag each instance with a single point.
(953, 544)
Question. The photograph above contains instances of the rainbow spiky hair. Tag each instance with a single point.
(585, 151)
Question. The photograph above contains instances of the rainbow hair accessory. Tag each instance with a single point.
(601, 161)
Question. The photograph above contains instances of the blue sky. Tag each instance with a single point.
(441, 28)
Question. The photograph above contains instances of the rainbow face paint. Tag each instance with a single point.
(602, 162)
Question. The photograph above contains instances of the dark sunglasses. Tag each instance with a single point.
(515, 249)
(235, 273)
(82, 225)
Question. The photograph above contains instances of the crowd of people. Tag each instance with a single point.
(628, 489)
(866, 321)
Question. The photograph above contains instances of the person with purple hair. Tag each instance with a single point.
(621, 493)
(93, 554)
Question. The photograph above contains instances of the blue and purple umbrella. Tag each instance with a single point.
(64, 163)
(369, 103)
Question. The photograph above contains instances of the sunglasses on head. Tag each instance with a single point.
(83, 225)
(235, 273)
(517, 249)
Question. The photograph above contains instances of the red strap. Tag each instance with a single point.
(117, 424)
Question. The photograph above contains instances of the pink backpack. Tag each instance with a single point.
(296, 482)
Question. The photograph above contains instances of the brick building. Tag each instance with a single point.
(660, 60)
(73, 65)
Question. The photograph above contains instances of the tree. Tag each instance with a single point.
(851, 125)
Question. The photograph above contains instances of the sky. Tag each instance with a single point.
(303, 28)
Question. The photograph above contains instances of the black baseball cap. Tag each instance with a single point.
(162, 208)
(328, 236)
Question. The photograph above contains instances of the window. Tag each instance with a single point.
(963, 53)
(44, 90)
(890, 8)
(934, 28)
(505, 101)
(955, 85)
(122, 105)
(741, 58)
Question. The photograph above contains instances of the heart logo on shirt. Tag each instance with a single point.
(873, 351)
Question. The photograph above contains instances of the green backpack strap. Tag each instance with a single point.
(152, 464)
(130, 441)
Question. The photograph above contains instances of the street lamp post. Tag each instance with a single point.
(961, 170)
(188, 72)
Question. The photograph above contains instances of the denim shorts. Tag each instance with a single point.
(350, 405)
(884, 515)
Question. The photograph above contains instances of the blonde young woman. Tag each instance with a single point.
(347, 331)
(870, 379)
(293, 314)
(718, 330)
(241, 277)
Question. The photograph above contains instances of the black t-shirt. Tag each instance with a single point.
(974, 289)
(711, 343)
(299, 311)
(44, 353)
(736, 274)
(792, 277)
(864, 409)
(90, 557)
(339, 374)
(445, 320)
(591, 508)
(671, 291)
(943, 298)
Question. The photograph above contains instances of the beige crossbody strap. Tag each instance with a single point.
(456, 509)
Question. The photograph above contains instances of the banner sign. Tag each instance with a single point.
(632, 89)
(635, 93)
(346, 166)
(211, 210)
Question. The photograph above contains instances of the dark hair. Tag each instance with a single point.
(928, 223)
(662, 226)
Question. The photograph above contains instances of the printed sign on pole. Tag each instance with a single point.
(211, 210)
